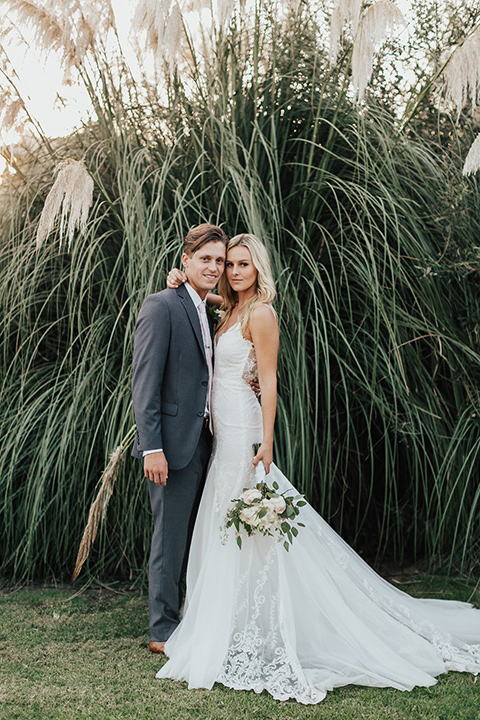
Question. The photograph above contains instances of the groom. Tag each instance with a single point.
(171, 382)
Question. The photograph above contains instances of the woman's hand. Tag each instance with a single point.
(175, 278)
(265, 455)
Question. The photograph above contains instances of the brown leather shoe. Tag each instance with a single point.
(157, 647)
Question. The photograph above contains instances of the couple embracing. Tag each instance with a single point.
(172, 394)
(296, 623)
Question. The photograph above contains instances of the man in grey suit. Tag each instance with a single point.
(171, 381)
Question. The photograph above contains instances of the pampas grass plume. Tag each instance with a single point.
(472, 161)
(224, 11)
(150, 18)
(462, 73)
(173, 33)
(162, 23)
(10, 119)
(48, 32)
(375, 23)
(69, 27)
(70, 197)
(344, 11)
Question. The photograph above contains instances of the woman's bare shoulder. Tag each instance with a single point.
(264, 313)
(263, 318)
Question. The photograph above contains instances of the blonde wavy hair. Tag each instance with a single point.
(265, 293)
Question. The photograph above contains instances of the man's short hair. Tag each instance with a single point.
(201, 235)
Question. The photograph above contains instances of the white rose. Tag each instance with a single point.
(250, 515)
(279, 504)
(250, 495)
(268, 522)
(270, 518)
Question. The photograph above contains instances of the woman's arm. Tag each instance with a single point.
(264, 331)
(214, 299)
(177, 277)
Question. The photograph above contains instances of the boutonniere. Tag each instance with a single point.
(214, 314)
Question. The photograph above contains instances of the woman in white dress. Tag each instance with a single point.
(296, 623)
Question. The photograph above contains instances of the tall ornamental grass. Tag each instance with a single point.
(373, 234)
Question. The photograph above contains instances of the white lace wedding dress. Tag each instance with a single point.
(296, 623)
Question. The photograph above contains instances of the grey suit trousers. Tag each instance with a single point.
(174, 509)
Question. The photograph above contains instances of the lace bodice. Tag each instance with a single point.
(235, 357)
(237, 414)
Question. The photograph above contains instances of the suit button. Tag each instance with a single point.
(205, 382)
(200, 413)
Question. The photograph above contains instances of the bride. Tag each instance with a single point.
(296, 623)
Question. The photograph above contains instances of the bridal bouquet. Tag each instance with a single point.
(263, 509)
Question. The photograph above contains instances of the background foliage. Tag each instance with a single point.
(373, 233)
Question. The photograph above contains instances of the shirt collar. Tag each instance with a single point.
(197, 300)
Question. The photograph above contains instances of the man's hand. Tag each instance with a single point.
(176, 278)
(155, 467)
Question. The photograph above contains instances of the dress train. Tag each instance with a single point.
(296, 623)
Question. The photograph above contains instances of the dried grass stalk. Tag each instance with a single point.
(375, 24)
(98, 509)
(71, 196)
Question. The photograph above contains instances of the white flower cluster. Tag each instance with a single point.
(265, 510)
(263, 515)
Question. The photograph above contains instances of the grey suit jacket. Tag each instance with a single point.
(170, 377)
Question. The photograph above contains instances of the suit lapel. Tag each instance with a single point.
(212, 334)
(192, 314)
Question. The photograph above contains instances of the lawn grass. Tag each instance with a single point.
(85, 657)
